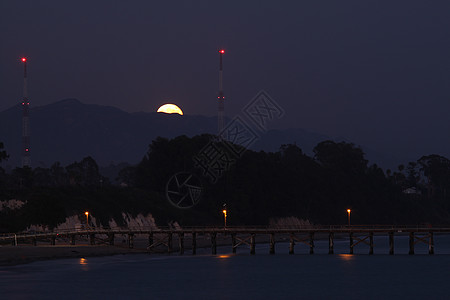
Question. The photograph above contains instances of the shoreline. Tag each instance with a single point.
(24, 254)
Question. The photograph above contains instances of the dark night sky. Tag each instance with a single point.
(374, 72)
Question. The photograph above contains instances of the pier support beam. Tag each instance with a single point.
(391, 243)
(370, 243)
(411, 243)
(213, 243)
(194, 243)
(311, 242)
(131, 240)
(150, 239)
(291, 244)
(111, 239)
(34, 241)
(233, 242)
(272, 244)
(431, 244)
(53, 240)
(72, 239)
(169, 242)
(331, 243)
(351, 242)
(92, 239)
(181, 242)
(252, 244)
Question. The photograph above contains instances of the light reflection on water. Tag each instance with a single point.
(241, 276)
(346, 257)
(84, 264)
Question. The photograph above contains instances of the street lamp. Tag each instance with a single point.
(224, 211)
(349, 211)
(87, 219)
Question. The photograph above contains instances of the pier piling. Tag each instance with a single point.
(150, 239)
(181, 242)
(291, 244)
(213, 243)
(252, 244)
(411, 243)
(311, 242)
(370, 243)
(272, 244)
(92, 239)
(194, 243)
(169, 242)
(131, 240)
(351, 242)
(431, 244)
(233, 242)
(331, 243)
(391, 243)
(110, 239)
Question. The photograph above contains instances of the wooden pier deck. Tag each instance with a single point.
(162, 239)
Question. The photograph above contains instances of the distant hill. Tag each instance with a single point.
(68, 130)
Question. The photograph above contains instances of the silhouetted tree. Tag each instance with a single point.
(436, 169)
(58, 175)
(341, 157)
(21, 178)
(84, 173)
(3, 154)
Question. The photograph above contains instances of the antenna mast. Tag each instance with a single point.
(26, 159)
(221, 97)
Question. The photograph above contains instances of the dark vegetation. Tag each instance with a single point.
(256, 186)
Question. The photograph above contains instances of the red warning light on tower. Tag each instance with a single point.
(24, 59)
(221, 51)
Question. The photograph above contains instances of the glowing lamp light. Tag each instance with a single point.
(222, 51)
(224, 218)
(87, 219)
(24, 59)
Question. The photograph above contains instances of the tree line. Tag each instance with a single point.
(255, 185)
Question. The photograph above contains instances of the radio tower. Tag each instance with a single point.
(221, 97)
(26, 160)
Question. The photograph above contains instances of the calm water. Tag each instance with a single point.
(241, 276)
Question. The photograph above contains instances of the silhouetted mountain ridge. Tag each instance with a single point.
(69, 130)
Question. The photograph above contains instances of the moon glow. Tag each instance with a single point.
(170, 109)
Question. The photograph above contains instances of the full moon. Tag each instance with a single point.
(170, 109)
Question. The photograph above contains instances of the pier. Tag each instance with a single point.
(162, 240)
